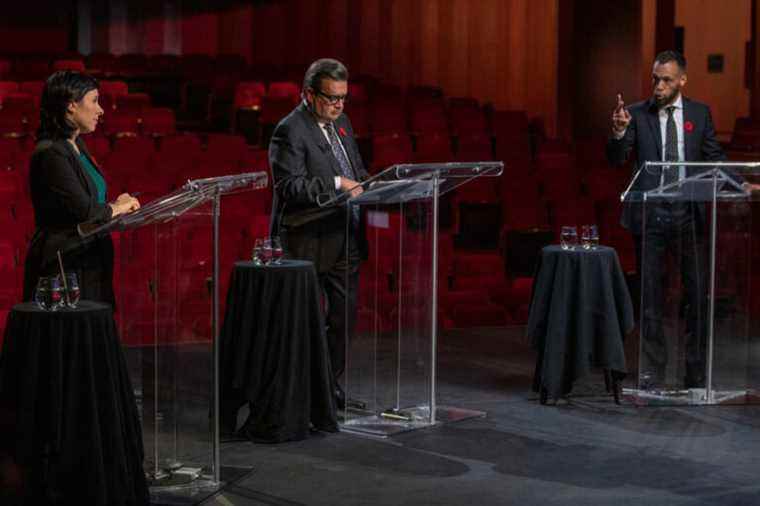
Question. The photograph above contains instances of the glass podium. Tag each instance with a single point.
(699, 343)
(167, 289)
(390, 373)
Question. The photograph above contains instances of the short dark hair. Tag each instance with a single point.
(60, 90)
(674, 56)
(324, 68)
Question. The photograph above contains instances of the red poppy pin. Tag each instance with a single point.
(688, 126)
(342, 131)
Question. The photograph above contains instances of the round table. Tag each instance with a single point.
(70, 421)
(274, 353)
(580, 312)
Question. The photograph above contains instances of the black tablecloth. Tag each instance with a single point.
(580, 312)
(70, 420)
(274, 353)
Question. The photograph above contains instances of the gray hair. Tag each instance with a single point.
(324, 68)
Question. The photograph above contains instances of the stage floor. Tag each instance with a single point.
(584, 451)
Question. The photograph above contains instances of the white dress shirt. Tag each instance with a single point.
(678, 118)
(324, 127)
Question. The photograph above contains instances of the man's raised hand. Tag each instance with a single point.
(620, 117)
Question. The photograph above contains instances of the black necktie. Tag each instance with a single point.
(671, 146)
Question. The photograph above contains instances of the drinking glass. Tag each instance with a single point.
(266, 252)
(48, 293)
(568, 238)
(277, 252)
(590, 237)
(72, 290)
(257, 253)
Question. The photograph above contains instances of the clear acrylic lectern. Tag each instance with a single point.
(698, 338)
(167, 287)
(390, 377)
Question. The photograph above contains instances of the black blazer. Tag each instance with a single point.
(64, 196)
(644, 137)
(304, 170)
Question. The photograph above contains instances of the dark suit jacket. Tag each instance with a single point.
(645, 138)
(304, 170)
(64, 196)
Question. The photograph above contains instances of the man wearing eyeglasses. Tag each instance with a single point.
(313, 156)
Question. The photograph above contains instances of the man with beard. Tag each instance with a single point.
(668, 127)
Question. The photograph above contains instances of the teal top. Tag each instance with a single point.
(100, 183)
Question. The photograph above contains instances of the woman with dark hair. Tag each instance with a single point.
(95, 453)
(68, 190)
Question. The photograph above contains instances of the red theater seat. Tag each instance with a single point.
(572, 212)
(286, 89)
(98, 145)
(273, 109)
(9, 149)
(390, 149)
(158, 121)
(428, 117)
(179, 154)
(474, 147)
(6, 88)
(131, 64)
(248, 95)
(357, 93)
(509, 124)
(100, 63)
(31, 67)
(388, 117)
(359, 113)
(34, 88)
(113, 88)
(434, 147)
(511, 132)
(424, 93)
(21, 101)
(606, 183)
(558, 175)
(77, 65)
(467, 117)
(13, 123)
(229, 149)
(132, 102)
(121, 124)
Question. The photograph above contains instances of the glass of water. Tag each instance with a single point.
(590, 237)
(258, 245)
(49, 293)
(277, 252)
(266, 252)
(72, 290)
(568, 237)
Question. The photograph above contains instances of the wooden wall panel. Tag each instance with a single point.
(429, 42)
(236, 31)
(498, 51)
(717, 28)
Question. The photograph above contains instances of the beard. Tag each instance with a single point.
(666, 99)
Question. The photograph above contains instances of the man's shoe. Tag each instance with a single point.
(694, 381)
(340, 397)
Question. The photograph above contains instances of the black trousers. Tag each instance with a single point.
(673, 232)
(340, 287)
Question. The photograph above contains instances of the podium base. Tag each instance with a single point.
(689, 397)
(396, 421)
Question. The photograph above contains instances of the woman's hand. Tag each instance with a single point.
(124, 203)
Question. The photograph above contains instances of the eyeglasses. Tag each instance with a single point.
(332, 99)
